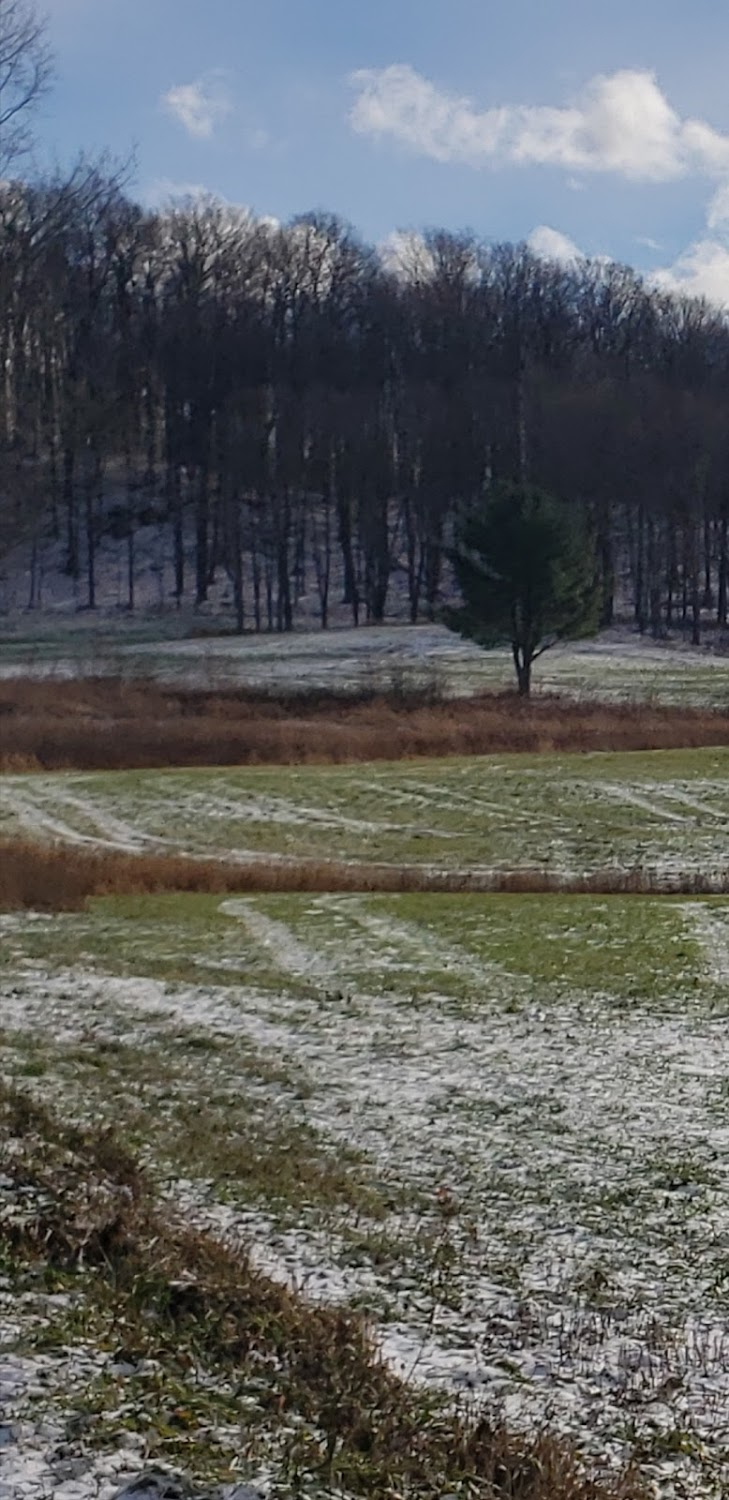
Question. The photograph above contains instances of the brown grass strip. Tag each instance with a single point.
(104, 724)
(63, 878)
(89, 1212)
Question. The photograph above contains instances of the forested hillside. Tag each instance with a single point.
(297, 413)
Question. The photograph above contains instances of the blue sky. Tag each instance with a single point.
(584, 127)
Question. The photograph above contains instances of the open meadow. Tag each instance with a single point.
(661, 811)
(492, 1128)
(188, 650)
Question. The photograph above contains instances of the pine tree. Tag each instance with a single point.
(525, 566)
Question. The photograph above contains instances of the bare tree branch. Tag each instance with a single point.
(26, 71)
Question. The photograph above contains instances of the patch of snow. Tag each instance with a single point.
(571, 1156)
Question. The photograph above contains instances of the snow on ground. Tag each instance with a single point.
(183, 650)
(663, 812)
(35, 1458)
(568, 1158)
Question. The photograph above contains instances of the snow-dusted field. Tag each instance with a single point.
(183, 650)
(617, 667)
(499, 1126)
(530, 1096)
(664, 811)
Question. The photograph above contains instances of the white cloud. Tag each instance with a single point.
(701, 271)
(621, 123)
(707, 147)
(404, 254)
(717, 213)
(551, 244)
(199, 106)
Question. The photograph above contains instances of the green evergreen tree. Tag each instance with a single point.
(525, 566)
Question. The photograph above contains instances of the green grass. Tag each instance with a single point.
(152, 1334)
(163, 646)
(522, 947)
(412, 946)
(665, 810)
(500, 1121)
(496, 1121)
(177, 939)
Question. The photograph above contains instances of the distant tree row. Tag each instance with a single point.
(302, 413)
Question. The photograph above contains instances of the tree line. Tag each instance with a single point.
(302, 413)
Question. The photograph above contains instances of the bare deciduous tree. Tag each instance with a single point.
(293, 418)
(26, 69)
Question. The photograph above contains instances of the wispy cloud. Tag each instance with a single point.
(620, 122)
(551, 244)
(199, 106)
(717, 213)
(701, 271)
(259, 139)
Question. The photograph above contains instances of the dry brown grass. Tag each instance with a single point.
(62, 878)
(190, 1301)
(102, 724)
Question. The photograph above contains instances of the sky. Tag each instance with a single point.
(580, 127)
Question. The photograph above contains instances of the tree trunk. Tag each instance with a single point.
(131, 567)
(671, 575)
(721, 605)
(433, 565)
(414, 558)
(93, 502)
(351, 592)
(322, 555)
(255, 570)
(33, 599)
(131, 539)
(607, 575)
(695, 589)
(174, 502)
(707, 596)
(234, 548)
(653, 578)
(523, 663)
(640, 573)
(202, 541)
(69, 500)
(284, 608)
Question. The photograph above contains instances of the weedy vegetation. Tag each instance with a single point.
(120, 724)
(230, 1349)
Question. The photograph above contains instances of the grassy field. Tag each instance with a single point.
(618, 667)
(611, 671)
(662, 811)
(497, 1126)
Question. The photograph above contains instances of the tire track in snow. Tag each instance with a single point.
(709, 927)
(389, 933)
(34, 818)
(436, 798)
(278, 942)
(617, 792)
(42, 809)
